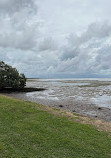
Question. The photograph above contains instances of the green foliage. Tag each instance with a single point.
(10, 78)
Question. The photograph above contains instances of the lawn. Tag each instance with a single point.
(30, 130)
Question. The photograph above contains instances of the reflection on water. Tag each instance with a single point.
(68, 89)
(102, 101)
(48, 94)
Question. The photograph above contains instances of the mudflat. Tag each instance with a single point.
(88, 97)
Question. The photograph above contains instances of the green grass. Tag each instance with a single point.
(27, 130)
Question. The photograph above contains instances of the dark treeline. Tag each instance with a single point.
(10, 77)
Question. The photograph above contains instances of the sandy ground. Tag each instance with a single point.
(86, 97)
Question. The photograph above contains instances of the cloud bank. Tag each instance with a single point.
(46, 39)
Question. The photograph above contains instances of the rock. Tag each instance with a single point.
(60, 106)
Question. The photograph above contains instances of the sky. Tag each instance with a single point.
(56, 38)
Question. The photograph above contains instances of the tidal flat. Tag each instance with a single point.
(88, 97)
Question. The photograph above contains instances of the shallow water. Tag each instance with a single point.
(42, 95)
(70, 89)
(102, 101)
(89, 97)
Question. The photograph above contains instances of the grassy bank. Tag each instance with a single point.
(29, 130)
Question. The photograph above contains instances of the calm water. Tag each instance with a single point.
(80, 89)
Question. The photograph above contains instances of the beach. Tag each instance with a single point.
(88, 97)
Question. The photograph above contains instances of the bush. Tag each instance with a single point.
(10, 78)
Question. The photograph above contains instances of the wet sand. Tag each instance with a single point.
(86, 97)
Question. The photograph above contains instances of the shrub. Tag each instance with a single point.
(10, 78)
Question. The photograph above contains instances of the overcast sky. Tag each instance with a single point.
(56, 38)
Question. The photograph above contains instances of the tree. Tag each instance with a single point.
(10, 78)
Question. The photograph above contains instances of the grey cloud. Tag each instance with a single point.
(69, 53)
(20, 29)
(94, 31)
(91, 38)
(47, 44)
(11, 6)
(77, 59)
(93, 56)
(88, 53)
(19, 39)
(103, 58)
(36, 49)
